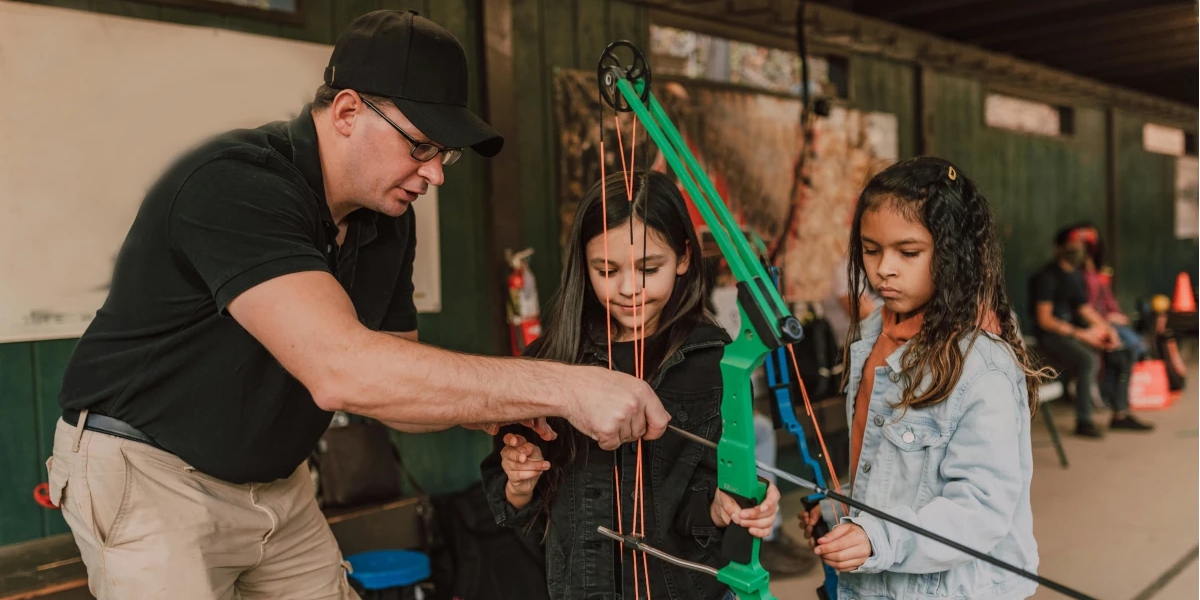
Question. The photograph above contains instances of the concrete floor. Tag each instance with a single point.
(1123, 515)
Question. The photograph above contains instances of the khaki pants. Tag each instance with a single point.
(150, 526)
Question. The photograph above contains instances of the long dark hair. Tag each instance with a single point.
(575, 317)
(968, 274)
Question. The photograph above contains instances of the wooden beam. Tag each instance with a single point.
(994, 14)
(1131, 72)
(1093, 36)
(996, 36)
(504, 181)
(1162, 43)
(1140, 60)
(890, 10)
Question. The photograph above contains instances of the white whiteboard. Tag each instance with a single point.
(93, 108)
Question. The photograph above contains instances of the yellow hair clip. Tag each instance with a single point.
(953, 174)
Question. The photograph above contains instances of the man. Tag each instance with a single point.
(248, 303)
(1072, 335)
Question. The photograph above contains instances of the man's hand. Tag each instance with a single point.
(759, 520)
(539, 426)
(522, 462)
(845, 548)
(1118, 319)
(1096, 337)
(613, 408)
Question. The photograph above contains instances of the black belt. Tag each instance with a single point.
(108, 425)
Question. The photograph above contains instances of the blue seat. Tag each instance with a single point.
(388, 569)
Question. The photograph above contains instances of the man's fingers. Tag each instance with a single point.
(637, 425)
(657, 419)
(608, 441)
(543, 429)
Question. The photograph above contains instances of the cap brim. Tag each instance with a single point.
(452, 126)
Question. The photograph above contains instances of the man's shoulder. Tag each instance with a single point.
(241, 165)
(263, 150)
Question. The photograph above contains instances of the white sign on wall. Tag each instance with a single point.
(94, 108)
(1187, 198)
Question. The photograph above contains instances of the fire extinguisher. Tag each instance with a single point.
(524, 324)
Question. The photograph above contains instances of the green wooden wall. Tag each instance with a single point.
(550, 35)
(1149, 257)
(878, 84)
(1035, 184)
(30, 377)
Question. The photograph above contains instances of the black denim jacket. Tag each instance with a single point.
(679, 479)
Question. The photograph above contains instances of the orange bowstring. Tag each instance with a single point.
(608, 314)
(837, 487)
(639, 350)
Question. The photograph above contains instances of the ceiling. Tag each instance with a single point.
(1146, 45)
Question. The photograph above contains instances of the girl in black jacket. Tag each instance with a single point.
(643, 311)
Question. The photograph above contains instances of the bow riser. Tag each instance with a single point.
(737, 473)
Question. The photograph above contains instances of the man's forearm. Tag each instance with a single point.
(1093, 318)
(415, 428)
(1055, 325)
(398, 381)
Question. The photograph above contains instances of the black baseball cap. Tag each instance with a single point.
(421, 67)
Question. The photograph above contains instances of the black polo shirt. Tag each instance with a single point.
(162, 353)
(1065, 290)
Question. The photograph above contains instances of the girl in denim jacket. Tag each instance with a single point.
(940, 391)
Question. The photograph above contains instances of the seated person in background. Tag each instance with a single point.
(1098, 278)
(1071, 334)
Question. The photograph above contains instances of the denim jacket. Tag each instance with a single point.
(960, 468)
(679, 479)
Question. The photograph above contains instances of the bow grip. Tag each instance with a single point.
(821, 529)
(737, 544)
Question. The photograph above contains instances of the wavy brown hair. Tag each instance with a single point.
(968, 275)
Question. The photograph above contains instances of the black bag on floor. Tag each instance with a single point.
(473, 558)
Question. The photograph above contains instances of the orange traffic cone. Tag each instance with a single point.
(1184, 301)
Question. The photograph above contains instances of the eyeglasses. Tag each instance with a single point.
(422, 151)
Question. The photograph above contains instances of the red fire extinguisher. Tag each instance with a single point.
(524, 323)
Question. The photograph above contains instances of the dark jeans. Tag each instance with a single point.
(1076, 360)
